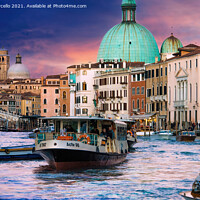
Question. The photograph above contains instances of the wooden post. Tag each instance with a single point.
(149, 130)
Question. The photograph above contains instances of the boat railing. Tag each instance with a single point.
(87, 138)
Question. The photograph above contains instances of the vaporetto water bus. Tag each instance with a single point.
(83, 142)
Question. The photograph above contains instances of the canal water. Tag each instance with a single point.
(158, 168)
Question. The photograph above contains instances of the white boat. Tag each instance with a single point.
(25, 152)
(164, 133)
(195, 193)
(142, 133)
(83, 146)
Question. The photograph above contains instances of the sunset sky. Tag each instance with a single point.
(52, 39)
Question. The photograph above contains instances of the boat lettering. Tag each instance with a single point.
(72, 144)
(42, 144)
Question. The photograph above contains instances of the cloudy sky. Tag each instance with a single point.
(52, 39)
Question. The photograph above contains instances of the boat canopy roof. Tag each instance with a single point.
(83, 118)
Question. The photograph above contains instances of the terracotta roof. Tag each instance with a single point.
(30, 94)
(53, 77)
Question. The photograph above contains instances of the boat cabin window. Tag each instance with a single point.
(71, 126)
(121, 132)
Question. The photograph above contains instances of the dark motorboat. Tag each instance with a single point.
(25, 152)
(77, 144)
(186, 136)
(195, 193)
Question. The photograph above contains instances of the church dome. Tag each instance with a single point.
(171, 45)
(128, 41)
(18, 70)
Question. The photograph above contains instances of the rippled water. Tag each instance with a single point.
(157, 169)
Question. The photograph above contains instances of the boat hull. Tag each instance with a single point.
(188, 195)
(185, 138)
(65, 159)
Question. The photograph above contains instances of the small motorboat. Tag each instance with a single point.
(131, 139)
(186, 136)
(195, 193)
(25, 152)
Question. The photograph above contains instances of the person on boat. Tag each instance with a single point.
(95, 130)
(111, 133)
(103, 133)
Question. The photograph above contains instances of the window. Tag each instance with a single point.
(186, 64)
(157, 72)
(84, 86)
(56, 101)
(161, 106)
(190, 116)
(84, 99)
(142, 90)
(64, 108)
(138, 77)
(165, 71)
(138, 90)
(190, 92)
(133, 104)
(138, 104)
(175, 67)
(190, 64)
(125, 106)
(161, 71)
(152, 73)
(148, 92)
(84, 111)
(84, 72)
(153, 107)
(45, 110)
(157, 106)
(169, 68)
(64, 95)
(161, 90)
(133, 91)
(45, 101)
(64, 82)
(165, 89)
(133, 80)
(147, 108)
(56, 91)
(142, 104)
(125, 93)
(196, 62)
(196, 92)
(169, 95)
(153, 90)
(56, 110)
(179, 65)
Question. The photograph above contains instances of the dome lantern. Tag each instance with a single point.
(128, 10)
(18, 59)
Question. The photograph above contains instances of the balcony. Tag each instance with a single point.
(102, 97)
(152, 99)
(159, 98)
(119, 97)
(123, 82)
(181, 104)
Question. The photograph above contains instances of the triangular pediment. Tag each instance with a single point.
(181, 73)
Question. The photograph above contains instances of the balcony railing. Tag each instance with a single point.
(182, 103)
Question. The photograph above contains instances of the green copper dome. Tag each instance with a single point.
(171, 45)
(128, 41)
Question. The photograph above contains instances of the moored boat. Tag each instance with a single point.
(76, 143)
(164, 133)
(131, 138)
(25, 152)
(186, 136)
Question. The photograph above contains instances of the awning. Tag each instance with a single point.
(142, 117)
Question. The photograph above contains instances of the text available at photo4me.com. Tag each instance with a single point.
(42, 6)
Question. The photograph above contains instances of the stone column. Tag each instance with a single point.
(185, 90)
(182, 91)
(177, 92)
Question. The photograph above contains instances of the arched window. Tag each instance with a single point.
(64, 108)
(138, 103)
(2, 59)
(56, 101)
(133, 104)
(64, 95)
(45, 101)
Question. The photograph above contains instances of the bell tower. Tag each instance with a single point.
(4, 63)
